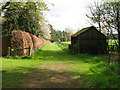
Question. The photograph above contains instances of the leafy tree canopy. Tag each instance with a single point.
(25, 16)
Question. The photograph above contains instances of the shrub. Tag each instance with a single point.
(27, 57)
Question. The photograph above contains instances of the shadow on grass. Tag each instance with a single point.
(41, 78)
(11, 78)
(25, 77)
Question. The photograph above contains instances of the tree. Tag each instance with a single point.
(4, 6)
(53, 33)
(58, 36)
(96, 13)
(106, 14)
(24, 16)
(69, 32)
(46, 29)
(65, 36)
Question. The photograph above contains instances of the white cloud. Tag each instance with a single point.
(68, 13)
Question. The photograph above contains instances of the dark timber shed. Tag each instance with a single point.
(88, 40)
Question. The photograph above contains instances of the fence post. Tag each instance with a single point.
(29, 51)
(9, 51)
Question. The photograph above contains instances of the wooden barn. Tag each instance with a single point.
(88, 40)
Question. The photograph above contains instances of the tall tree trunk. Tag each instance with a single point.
(118, 27)
(99, 26)
(99, 22)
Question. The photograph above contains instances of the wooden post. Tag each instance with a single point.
(9, 51)
(29, 51)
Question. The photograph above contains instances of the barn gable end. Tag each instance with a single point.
(88, 40)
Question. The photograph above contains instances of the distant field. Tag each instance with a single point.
(67, 42)
(110, 42)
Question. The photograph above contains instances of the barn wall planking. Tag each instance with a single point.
(90, 41)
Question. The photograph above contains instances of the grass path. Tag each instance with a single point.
(51, 47)
(57, 73)
(51, 67)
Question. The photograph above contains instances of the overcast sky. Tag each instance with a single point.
(68, 13)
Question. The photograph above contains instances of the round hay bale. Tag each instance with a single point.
(27, 42)
(17, 42)
(21, 39)
(37, 42)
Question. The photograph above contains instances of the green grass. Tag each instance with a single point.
(67, 42)
(113, 42)
(110, 42)
(87, 67)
